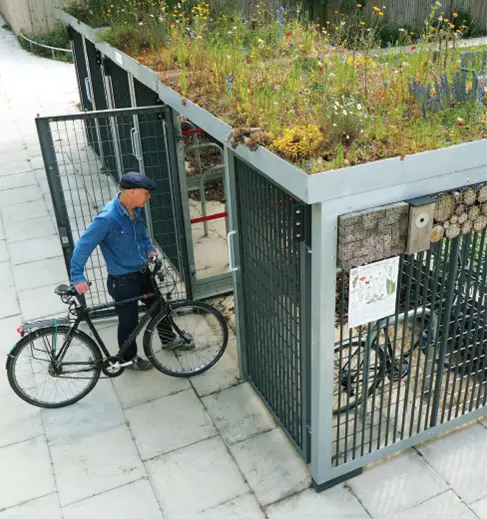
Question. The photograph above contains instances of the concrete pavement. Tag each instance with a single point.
(152, 446)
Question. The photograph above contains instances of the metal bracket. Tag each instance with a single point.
(98, 57)
(298, 223)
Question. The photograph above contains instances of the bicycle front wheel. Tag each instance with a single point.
(187, 342)
(40, 379)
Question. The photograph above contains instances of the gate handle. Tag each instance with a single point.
(231, 262)
(134, 133)
(88, 89)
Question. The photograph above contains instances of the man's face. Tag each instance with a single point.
(140, 197)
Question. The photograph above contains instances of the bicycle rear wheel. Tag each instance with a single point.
(37, 378)
(188, 342)
(352, 377)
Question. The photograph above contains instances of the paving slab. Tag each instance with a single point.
(337, 503)
(47, 272)
(33, 250)
(271, 465)
(238, 413)
(20, 195)
(26, 229)
(10, 305)
(195, 478)
(95, 464)
(169, 423)
(403, 482)
(40, 302)
(459, 458)
(139, 388)
(18, 180)
(24, 480)
(447, 506)
(4, 256)
(243, 507)
(98, 411)
(46, 507)
(36, 209)
(223, 374)
(6, 277)
(125, 502)
(20, 421)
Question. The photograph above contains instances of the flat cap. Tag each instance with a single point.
(134, 180)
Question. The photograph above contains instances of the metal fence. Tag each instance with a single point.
(81, 184)
(273, 272)
(422, 367)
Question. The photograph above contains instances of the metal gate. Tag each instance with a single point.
(272, 298)
(81, 181)
(415, 373)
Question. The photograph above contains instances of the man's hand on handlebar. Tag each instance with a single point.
(152, 256)
(82, 287)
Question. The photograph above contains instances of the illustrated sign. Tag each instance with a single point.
(373, 291)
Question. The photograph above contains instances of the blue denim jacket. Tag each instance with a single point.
(123, 242)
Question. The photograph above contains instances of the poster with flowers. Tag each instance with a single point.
(373, 291)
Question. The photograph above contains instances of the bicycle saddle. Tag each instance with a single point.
(64, 290)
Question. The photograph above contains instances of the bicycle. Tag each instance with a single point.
(362, 365)
(61, 364)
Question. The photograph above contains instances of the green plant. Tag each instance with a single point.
(7, 27)
(58, 38)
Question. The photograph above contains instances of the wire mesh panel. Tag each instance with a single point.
(80, 186)
(153, 137)
(270, 263)
(422, 367)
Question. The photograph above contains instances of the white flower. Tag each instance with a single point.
(229, 57)
(348, 137)
(402, 30)
(260, 41)
(234, 28)
(229, 32)
(141, 23)
(337, 103)
(276, 103)
(334, 125)
(261, 45)
(460, 120)
(151, 15)
(359, 107)
(331, 74)
(345, 112)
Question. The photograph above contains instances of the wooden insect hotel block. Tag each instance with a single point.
(372, 235)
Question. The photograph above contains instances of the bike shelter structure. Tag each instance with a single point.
(347, 396)
(126, 127)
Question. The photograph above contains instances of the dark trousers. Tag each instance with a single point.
(126, 287)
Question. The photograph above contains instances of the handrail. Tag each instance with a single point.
(53, 49)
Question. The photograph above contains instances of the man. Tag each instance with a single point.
(120, 231)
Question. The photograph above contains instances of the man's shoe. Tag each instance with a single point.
(178, 344)
(139, 364)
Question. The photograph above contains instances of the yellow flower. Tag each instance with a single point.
(376, 9)
(455, 15)
(362, 23)
(359, 5)
(452, 26)
(381, 13)
(446, 20)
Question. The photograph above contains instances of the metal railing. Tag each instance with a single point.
(49, 47)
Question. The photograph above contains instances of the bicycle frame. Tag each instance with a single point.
(83, 315)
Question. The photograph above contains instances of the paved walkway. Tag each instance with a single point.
(149, 446)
